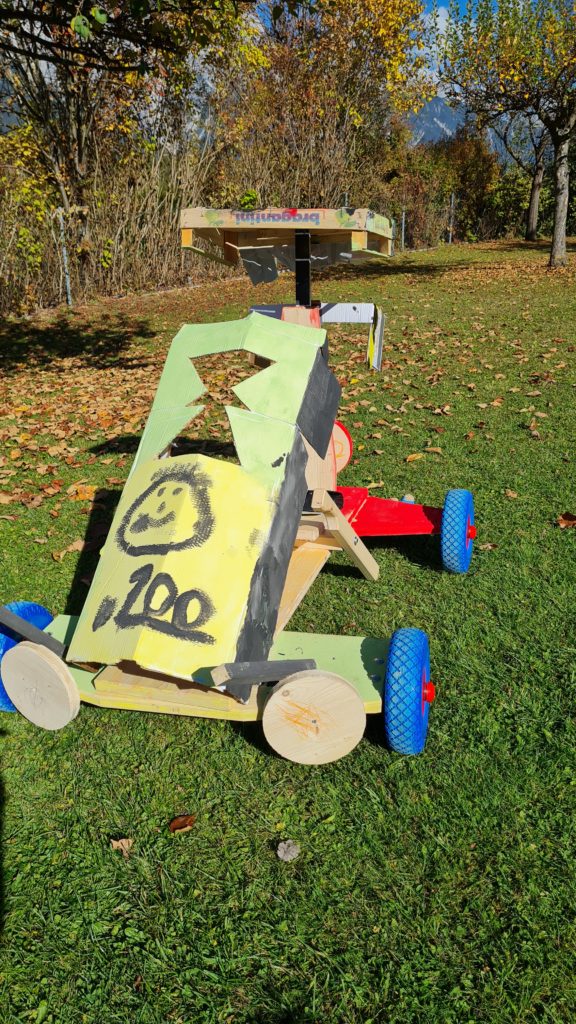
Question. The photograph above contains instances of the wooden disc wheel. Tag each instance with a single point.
(313, 717)
(40, 685)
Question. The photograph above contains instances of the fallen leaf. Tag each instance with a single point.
(379, 483)
(5, 498)
(288, 850)
(124, 845)
(77, 545)
(414, 457)
(487, 547)
(510, 494)
(437, 451)
(82, 493)
(566, 519)
(182, 823)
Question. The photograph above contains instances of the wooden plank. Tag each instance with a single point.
(360, 660)
(258, 671)
(306, 316)
(129, 688)
(230, 246)
(239, 678)
(359, 241)
(212, 256)
(305, 565)
(282, 220)
(320, 473)
(376, 243)
(25, 629)
(308, 532)
(349, 540)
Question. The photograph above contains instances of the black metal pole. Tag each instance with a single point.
(303, 268)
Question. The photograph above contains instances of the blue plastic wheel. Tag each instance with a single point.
(33, 613)
(457, 532)
(408, 691)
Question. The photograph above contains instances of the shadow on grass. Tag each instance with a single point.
(423, 551)
(542, 245)
(128, 445)
(393, 269)
(66, 336)
(420, 262)
(97, 529)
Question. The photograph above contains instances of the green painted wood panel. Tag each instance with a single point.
(357, 659)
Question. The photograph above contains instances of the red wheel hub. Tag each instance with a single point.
(429, 692)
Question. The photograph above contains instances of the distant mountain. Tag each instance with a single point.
(435, 121)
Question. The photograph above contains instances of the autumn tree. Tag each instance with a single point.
(519, 56)
(306, 122)
(82, 75)
(126, 36)
(475, 169)
(527, 142)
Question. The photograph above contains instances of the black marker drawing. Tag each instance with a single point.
(172, 514)
(160, 595)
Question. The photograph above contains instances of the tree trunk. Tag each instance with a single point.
(562, 177)
(533, 206)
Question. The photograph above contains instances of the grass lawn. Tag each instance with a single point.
(435, 889)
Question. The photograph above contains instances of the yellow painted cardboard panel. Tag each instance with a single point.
(174, 577)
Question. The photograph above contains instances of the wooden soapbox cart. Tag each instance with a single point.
(205, 562)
